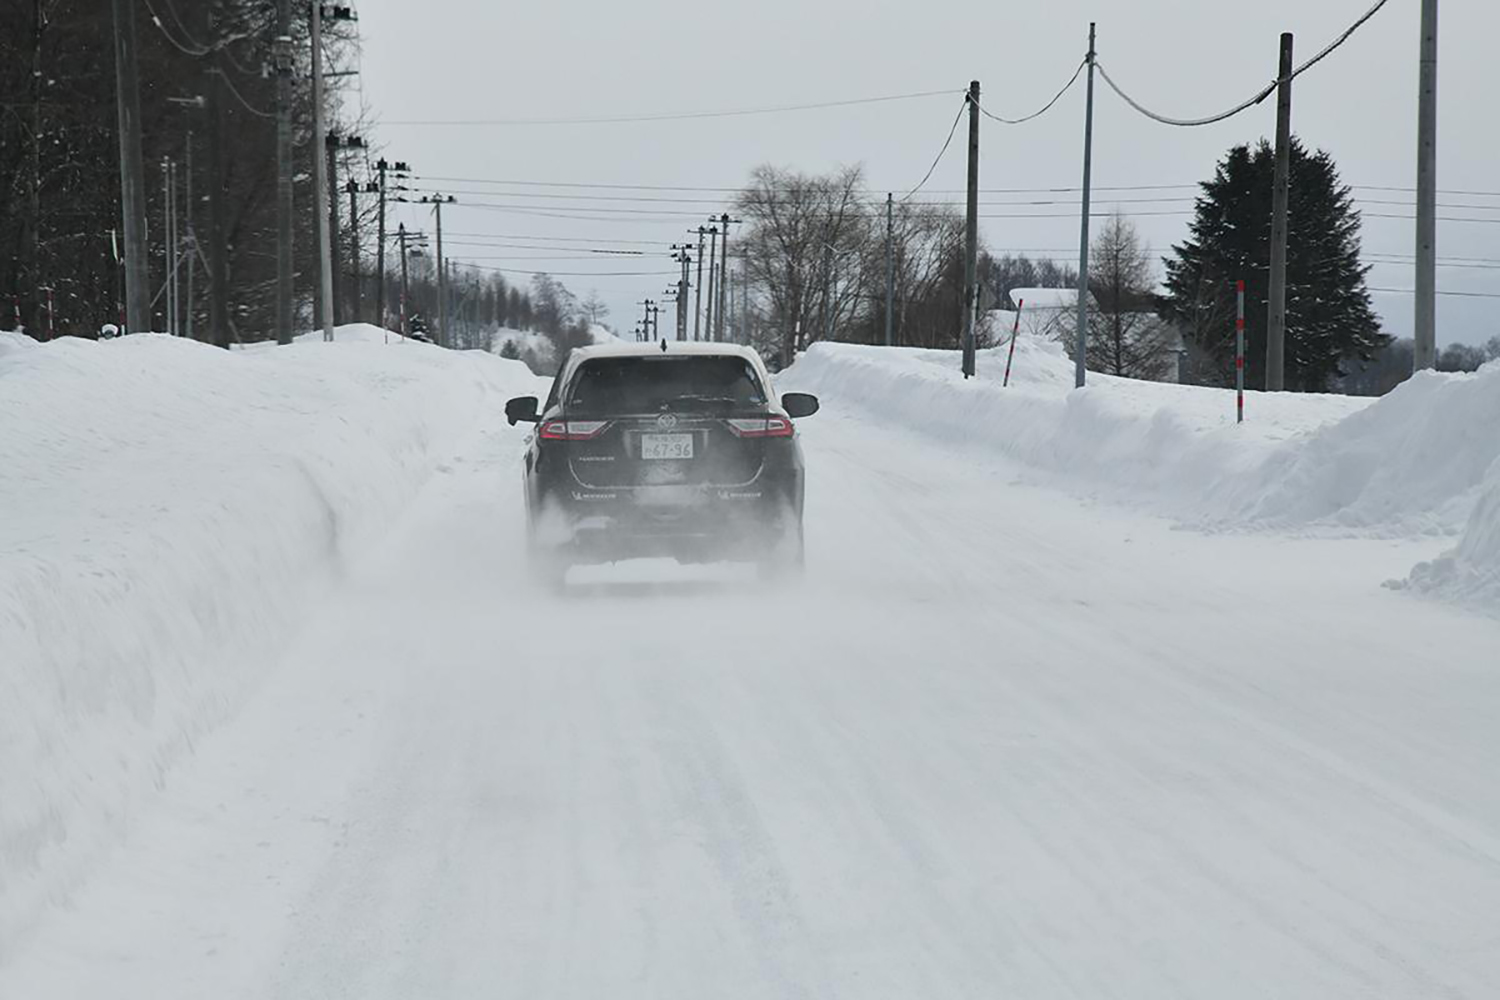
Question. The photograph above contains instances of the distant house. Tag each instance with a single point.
(1052, 313)
(1045, 312)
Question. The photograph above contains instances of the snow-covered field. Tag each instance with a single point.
(288, 721)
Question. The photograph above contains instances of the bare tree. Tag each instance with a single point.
(1126, 336)
(804, 251)
(593, 308)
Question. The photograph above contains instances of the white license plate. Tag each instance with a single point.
(666, 446)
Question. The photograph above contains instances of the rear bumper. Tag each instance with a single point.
(692, 524)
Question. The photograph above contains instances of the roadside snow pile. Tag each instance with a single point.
(1173, 441)
(1423, 460)
(10, 342)
(169, 510)
(1470, 572)
(1413, 462)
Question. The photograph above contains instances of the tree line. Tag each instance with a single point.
(815, 267)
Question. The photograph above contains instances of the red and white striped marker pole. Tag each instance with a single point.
(1239, 354)
(51, 316)
(1020, 304)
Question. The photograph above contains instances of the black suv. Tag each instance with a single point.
(670, 449)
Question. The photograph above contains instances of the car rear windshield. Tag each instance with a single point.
(649, 384)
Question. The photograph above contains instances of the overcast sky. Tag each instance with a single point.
(476, 59)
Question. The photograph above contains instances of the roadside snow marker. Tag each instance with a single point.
(1010, 356)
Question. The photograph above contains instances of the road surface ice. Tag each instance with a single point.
(1003, 742)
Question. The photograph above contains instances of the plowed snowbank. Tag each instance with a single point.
(169, 509)
(1414, 462)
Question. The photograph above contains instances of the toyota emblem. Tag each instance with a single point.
(666, 421)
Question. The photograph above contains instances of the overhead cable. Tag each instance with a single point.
(675, 115)
(1046, 108)
(1254, 99)
(938, 159)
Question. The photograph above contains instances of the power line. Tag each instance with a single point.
(177, 19)
(874, 192)
(1256, 98)
(567, 239)
(199, 49)
(1172, 199)
(573, 274)
(1466, 295)
(238, 97)
(946, 142)
(677, 115)
(1046, 108)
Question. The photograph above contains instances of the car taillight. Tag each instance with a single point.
(760, 427)
(572, 430)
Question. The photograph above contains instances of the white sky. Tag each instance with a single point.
(468, 59)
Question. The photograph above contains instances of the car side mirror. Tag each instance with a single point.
(521, 408)
(799, 404)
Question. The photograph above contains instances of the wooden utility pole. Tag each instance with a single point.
(698, 291)
(31, 223)
(724, 221)
(218, 193)
(442, 278)
(890, 263)
(401, 248)
(380, 168)
(284, 231)
(1425, 330)
(971, 232)
(713, 249)
(132, 170)
(1276, 307)
(320, 178)
(353, 188)
(331, 144)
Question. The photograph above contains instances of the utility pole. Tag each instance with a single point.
(331, 144)
(745, 302)
(320, 180)
(401, 244)
(698, 291)
(31, 237)
(166, 241)
(353, 189)
(1276, 308)
(713, 246)
(283, 55)
(682, 253)
(380, 168)
(1239, 353)
(830, 279)
(192, 234)
(437, 201)
(173, 249)
(890, 263)
(1081, 330)
(132, 171)
(1425, 332)
(971, 232)
(218, 250)
(724, 221)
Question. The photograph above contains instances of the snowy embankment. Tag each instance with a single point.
(170, 512)
(1423, 460)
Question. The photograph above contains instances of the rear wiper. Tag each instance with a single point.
(693, 398)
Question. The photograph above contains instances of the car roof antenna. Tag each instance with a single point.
(664, 345)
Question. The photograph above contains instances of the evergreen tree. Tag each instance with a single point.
(1328, 316)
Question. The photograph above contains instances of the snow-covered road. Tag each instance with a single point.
(1001, 743)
